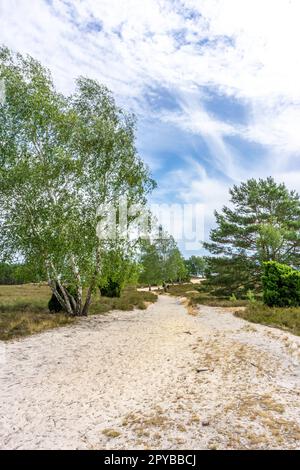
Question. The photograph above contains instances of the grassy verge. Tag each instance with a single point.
(196, 295)
(130, 299)
(287, 319)
(24, 311)
(17, 324)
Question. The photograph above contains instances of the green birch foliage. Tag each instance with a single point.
(60, 158)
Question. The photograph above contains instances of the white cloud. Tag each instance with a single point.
(248, 49)
(245, 49)
(192, 185)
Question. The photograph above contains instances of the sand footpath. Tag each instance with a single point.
(154, 379)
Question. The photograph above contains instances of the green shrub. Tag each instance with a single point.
(250, 296)
(111, 288)
(281, 285)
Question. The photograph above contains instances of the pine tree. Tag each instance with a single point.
(262, 224)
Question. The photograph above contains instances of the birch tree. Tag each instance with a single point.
(60, 158)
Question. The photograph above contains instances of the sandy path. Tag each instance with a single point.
(152, 379)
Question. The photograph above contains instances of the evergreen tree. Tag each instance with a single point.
(262, 224)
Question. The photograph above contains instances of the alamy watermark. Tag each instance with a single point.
(184, 222)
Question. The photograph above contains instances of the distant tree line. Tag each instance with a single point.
(17, 274)
(196, 266)
(161, 262)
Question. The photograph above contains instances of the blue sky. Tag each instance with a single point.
(214, 83)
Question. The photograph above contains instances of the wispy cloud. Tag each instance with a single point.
(212, 71)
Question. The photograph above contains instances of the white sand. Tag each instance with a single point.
(152, 379)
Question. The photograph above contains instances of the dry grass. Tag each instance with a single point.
(182, 290)
(17, 324)
(196, 295)
(191, 309)
(261, 419)
(111, 433)
(266, 415)
(35, 295)
(24, 309)
(287, 319)
(211, 301)
(130, 299)
(149, 426)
